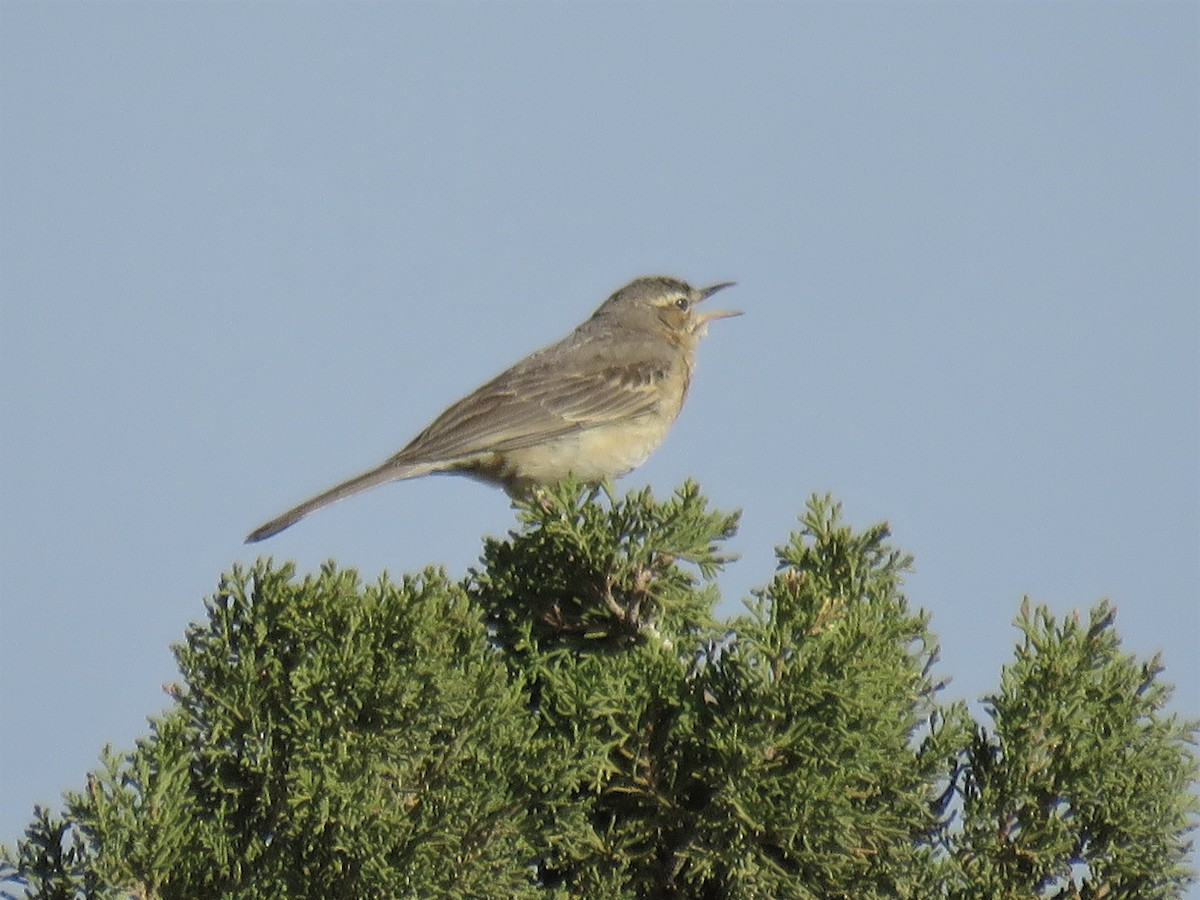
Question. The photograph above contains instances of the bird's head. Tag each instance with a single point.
(660, 301)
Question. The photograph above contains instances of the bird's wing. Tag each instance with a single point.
(539, 399)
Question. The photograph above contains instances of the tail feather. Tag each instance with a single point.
(389, 471)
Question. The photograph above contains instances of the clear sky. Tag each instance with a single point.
(251, 249)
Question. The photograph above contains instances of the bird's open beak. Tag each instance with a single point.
(709, 315)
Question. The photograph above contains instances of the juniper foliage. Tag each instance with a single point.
(571, 720)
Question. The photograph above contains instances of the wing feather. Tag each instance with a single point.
(536, 401)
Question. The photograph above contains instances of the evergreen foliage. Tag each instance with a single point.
(570, 720)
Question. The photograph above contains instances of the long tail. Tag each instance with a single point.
(389, 471)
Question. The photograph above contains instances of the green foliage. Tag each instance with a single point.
(572, 721)
(582, 575)
(1082, 774)
(328, 740)
(824, 755)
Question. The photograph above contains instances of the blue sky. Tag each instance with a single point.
(251, 249)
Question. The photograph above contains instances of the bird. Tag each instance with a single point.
(594, 405)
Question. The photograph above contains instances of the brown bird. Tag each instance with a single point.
(596, 404)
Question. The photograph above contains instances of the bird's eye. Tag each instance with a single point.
(682, 303)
